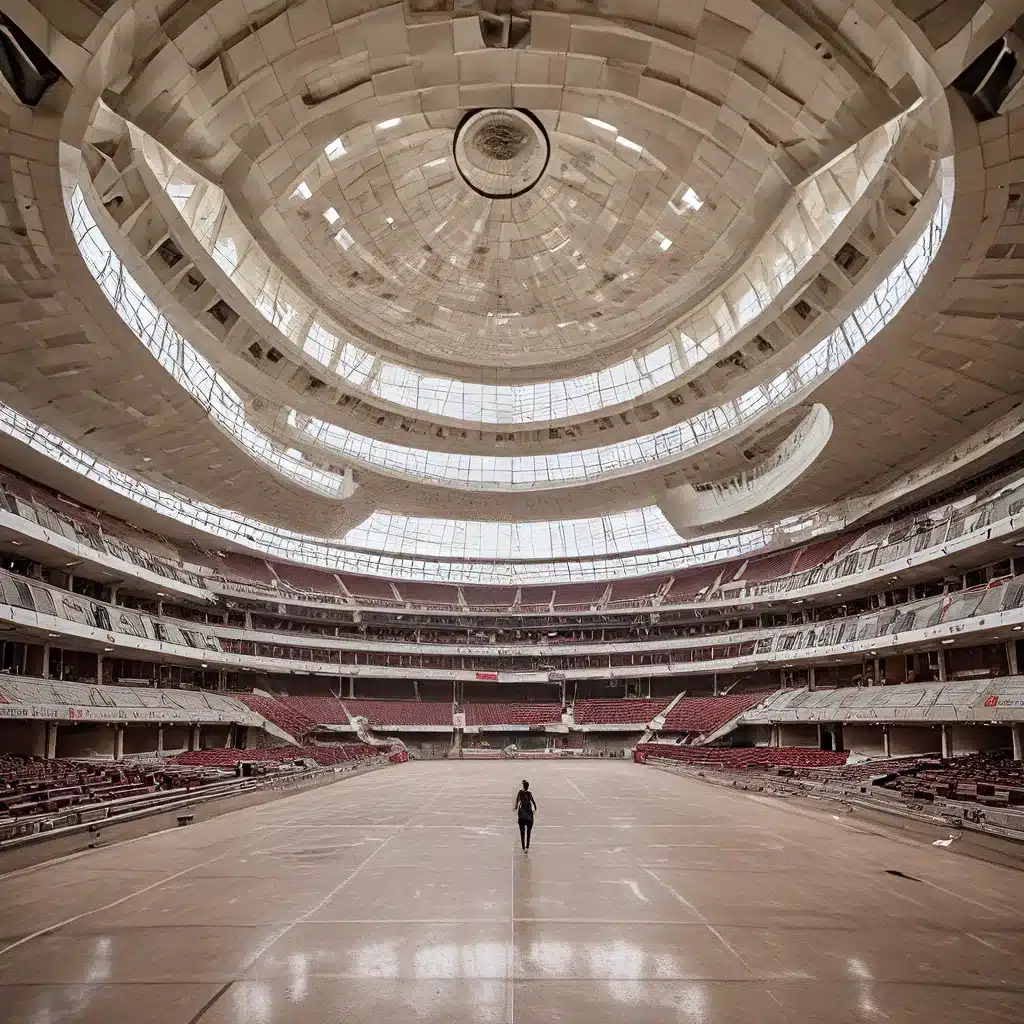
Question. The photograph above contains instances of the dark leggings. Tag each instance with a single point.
(525, 828)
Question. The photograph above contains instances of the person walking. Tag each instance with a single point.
(525, 806)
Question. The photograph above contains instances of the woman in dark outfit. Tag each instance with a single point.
(525, 806)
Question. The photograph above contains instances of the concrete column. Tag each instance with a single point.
(159, 740)
(563, 693)
(1011, 657)
(714, 684)
(819, 735)
(351, 687)
(775, 740)
(51, 739)
(942, 665)
(160, 609)
(886, 741)
(416, 689)
(248, 620)
(99, 668)
(222, 680)
(812, 682)
(878, 671)
(46, 661)
(1017, 729)
(783, 682)
(193, 738)
(119, 743)
(113, 593)
(947, 742)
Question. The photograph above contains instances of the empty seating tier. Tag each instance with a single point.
(401, 712)
(513, 714)
(325, 754)
(744, 758)
(706, 714)
(620, 711)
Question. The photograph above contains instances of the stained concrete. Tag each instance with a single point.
(403, 896)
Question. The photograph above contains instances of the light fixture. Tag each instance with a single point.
(436, 163)
(390, 220)
(1017, 629)
(16, 543)
(335, 149)
(203, 665)
(146, 458)
(331, 215)
(603, 125)
(303, 190)
(947, 641)
(107, 650)
(53, 636)
(160, 593)
(389, 123)
(629, 144)
(344, 239)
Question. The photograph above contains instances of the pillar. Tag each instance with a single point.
(248, 620)
(160, 740)
(51, 739)
(99, 668)
(1011, 657)
(113, 593)
(415, 689)
(776, 738)
(947, 742)
(119, 743)
(886, 741)
(812, 682)
(1017, 729)
(878, 671)
(563, 693)
(942, 665)
(714, 684)
(193, 737)
(783, 679)
(222, 680)
(351, 687)
(46, 661)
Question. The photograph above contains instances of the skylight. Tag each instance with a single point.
(302, 190)
(436, 163)
(331, 215)
(664, 242)
(389, 123)
(335, 149)
(629, 144)
(344, 239)
(689, 198)
(603, 125)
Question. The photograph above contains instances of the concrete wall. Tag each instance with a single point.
(175, 738)
(86, 740)
(23, 738)
(140, 739)
(913, 739)
(214, 736)
(864, 739)
(798, 736)
(969, 739)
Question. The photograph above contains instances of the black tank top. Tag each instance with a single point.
(525, 805)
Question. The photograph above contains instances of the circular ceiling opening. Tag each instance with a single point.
(501, 153)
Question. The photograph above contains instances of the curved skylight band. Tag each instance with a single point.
(811, 217)
(190, 369)
(484, 471)
(439, 550)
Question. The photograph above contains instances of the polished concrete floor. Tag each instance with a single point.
(403, 896)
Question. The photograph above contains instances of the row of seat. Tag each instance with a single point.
(788, 567)
(742, 758)
(34, 785)
(325, 754)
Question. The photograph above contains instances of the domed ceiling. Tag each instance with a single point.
(441, 259)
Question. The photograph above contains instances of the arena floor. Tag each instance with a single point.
(403, 896)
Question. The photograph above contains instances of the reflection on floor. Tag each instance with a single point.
(403, 896)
